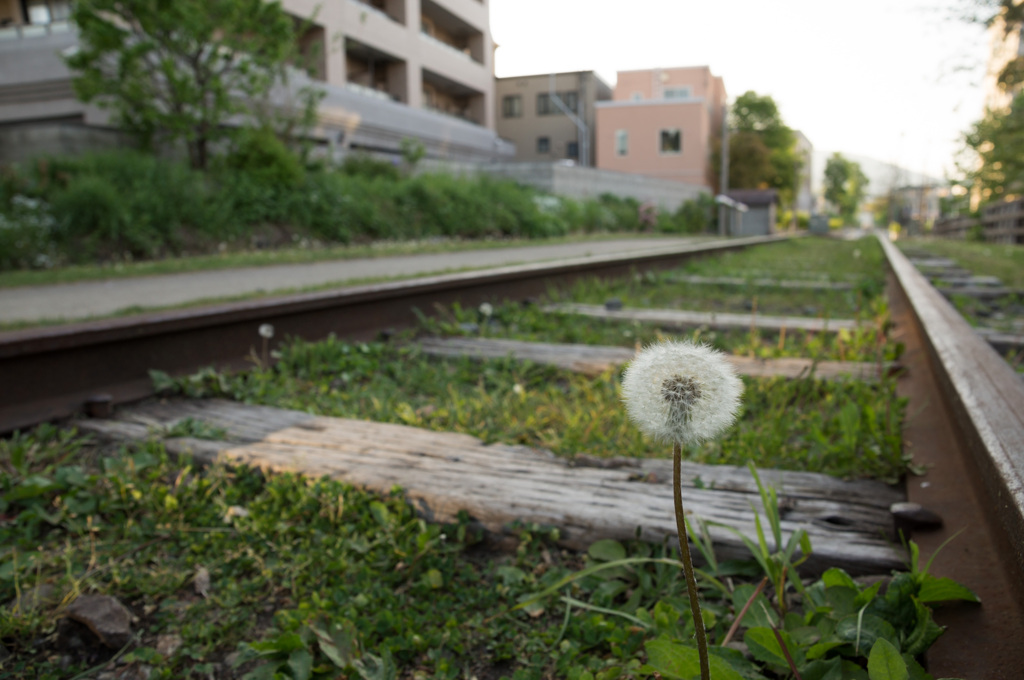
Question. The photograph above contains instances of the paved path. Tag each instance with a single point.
(99, 298)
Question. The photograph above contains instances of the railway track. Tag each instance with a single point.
(966, 404)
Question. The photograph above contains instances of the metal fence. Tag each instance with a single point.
(1000, 223)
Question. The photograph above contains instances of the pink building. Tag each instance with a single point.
(662, 123)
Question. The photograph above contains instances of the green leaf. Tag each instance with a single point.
(864, 631)
(885, 662)
(832, 669)
(607, 550)
(381, 513)
(915, 669)
(760, 614)
(924, 632)
(301, 664)
(820, 649)
(674, 659)
(838, 577)
(935, 589)
(434, 579)
(337, 643)
(764, 646)
(372, 667)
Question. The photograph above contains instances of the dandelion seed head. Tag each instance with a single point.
(681, 392)
(266, 331)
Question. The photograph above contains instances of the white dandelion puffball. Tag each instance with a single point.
(266, 331)
(681, 392)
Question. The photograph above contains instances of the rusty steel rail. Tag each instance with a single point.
(965, 426)
(51, 373)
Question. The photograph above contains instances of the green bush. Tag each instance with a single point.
(364, 165)
(110, 205)
(262, 155)
(92, 222)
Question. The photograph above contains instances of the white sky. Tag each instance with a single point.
(896, 80)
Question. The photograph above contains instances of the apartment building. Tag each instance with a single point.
(662, 123)
(390, 70)
(551, 116)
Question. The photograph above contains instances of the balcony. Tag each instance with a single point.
(439, 25)
(370, 70)
(445, 96)
(391, 9)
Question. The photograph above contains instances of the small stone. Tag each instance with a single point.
(105, 616)
(914, 516)
(167, 645)
(613, 304)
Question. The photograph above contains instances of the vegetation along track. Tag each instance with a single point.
(966, 411)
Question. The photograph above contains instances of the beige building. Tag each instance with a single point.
(551, 116)
(662, 123)
(390, 70)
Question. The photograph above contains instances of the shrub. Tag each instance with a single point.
(27, 234)
(92, 222)
(261, 154)
(364, 165)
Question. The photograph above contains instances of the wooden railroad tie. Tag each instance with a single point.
(719, 320)
(443, 473)
(594, 359)
(809, 284)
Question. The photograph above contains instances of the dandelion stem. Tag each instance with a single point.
(684, 550)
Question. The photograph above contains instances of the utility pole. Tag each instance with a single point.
(723, 181)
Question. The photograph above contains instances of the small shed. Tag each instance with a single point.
(759, 220)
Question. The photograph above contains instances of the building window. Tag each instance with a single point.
(543, 145)
(512, 106)
(670, 141)
(621, 142)
(677, 93)
(572, 150)
(637, 96)
(547, 107)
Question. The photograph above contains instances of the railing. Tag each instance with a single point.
(34, 30)
(369, 91)
(1000, 223)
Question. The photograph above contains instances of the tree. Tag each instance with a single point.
(762, 148)
(844, 185)
(995, 144)
(180, 69)
(998, 142)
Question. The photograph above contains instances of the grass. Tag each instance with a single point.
(269, 257)
(846, 429)
(824, 258)
(311, 578)
(1005, 262)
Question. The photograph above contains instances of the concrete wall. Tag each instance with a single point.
(579, 182)
(22, 143)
